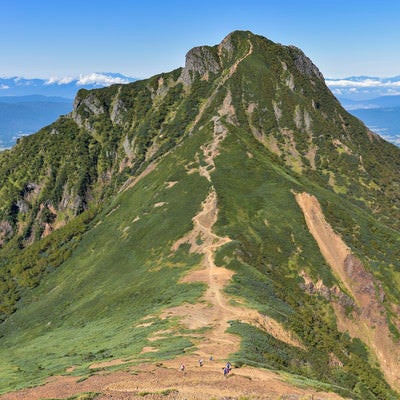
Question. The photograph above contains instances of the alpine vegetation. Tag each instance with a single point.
(230, 208)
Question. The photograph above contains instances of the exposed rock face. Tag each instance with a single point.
(202, 60)
(206, 59)
(333, 294)
(23, 207)
(304, 64)
(70, 201)
(117, 112)
(92, 105)
(227, 44)
(6, 231)
(368, 290)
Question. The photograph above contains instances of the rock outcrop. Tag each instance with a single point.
(201, 60)
(304, 64)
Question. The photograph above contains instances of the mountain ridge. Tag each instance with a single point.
(202, 165)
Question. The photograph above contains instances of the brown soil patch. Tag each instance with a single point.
(170, 184)
(149, 349)
(369, 322)
(160, 204)
(165, 381)
(207, 382)
(106, 364)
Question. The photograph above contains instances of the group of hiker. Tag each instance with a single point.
(226, 369)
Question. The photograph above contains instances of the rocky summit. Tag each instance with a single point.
(230, 210)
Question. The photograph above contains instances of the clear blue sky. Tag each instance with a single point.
(41, 38)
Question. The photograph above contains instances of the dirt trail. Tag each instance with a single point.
(370, 319)
(214, 311)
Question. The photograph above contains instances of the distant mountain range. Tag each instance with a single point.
(23, 115)
(385, 121)
(26, 105)
(376, 101)
(364, 87)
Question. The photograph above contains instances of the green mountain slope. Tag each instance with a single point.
(239, 182)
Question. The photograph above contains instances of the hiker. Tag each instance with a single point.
(201, 362)
(226, 372)
(211, 358)
(182, 367)
(228, 366)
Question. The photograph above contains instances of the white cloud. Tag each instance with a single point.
(4, 87)
(337, 91)
(89, 79)
(394, 92)
(59, 81)
(350, 83)
(99, 79)
(363, 83)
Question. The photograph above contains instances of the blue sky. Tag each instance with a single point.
(66, 38)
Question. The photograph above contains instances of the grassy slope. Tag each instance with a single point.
(267, 257)
(112, 281)
(122, 270)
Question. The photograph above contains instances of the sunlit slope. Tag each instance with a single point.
(106, 300)
(206, 169)
(122, 271)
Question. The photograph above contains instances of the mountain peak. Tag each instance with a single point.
(201, 59)
(233, 198)
(204, 60)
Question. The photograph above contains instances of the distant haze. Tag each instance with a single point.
(27, 105)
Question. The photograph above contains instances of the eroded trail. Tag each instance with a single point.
(214, 311)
